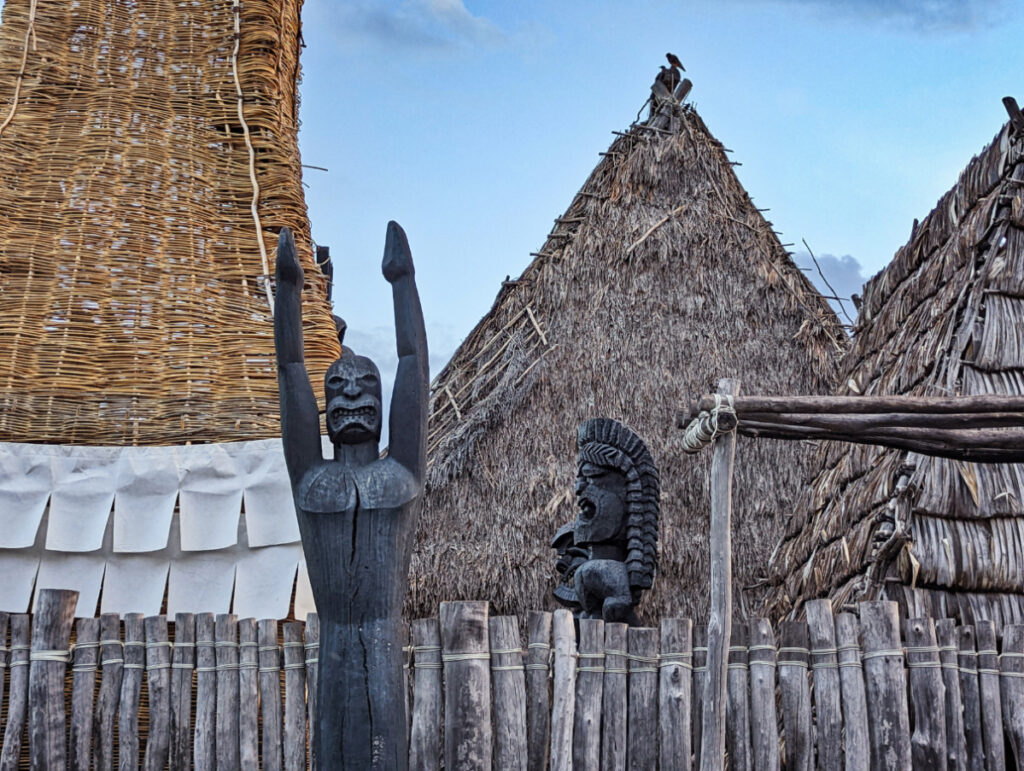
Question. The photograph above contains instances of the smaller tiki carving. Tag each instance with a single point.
(607, 555)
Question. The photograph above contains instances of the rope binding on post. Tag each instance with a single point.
(706, 427)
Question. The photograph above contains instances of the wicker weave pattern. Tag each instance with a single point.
(133, 305)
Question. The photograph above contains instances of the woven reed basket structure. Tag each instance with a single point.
(148, 158)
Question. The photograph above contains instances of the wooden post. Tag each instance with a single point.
(248, 694)
(538, 696)
(796, 695)
(586, 733)
(737, 725)
(425, 743)
(312, 637)
(564, 702)
(643, 698)
(508, 688)
(700, 680)
(467, 708)
(294, 698)
(83, 686)
(712, 756)
(614, 698)
(927, 694)
(971, 695)
(131, 687)
(51, 635)
(17, 692)
(763, 715)
(226, 650)
(956, 749)
(676, 674)
(204, 747)
(182, 666)
(4, 658)
(270, 693)
(888, 720)
(158, 677)
(988, 685)
(824, 664)
(855, 707)
(112, 663)
(1011, 667)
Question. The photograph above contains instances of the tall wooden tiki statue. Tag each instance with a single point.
(357, 513)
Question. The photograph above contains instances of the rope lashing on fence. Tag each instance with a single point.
(681, 659)
(62, 657)
(704, 428)
(599, 656)
(855, 661)
(642, 660)
(765, 662)
(316, 659)
(882, 654)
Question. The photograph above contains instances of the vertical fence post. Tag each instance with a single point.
(158, 677)
(425, 742)
(712, 756)
(824, 664)
(226, 651)
(956, 750)
(1011, 667)
(312, 638)
(248, 694)
(270, 693)
(4, 656)
(700, 679)
(971, 695)
(928, 742)
(851, 680)
(538, 696)
(888, 719)
(17, 692)
(182, 666)
(988, 685)
(796, 695)
(466, 656)
(51, 635)
(112, 663)
(83, 686)
(204, 746)
(643, 698)
(737, 727)
(294, 698)
(586, 734)
(564, 702)
(614, 699)
(131, 688)
(676, 671)
(763, 715)
(508, 686)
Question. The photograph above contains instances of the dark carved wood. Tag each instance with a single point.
(357, 513)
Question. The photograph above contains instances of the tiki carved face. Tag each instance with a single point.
(352, 388)
(601, 498)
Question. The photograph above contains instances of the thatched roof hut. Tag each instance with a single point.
(660, 277)
(942, 537)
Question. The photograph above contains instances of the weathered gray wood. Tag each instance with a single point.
(112, 664)
(586, 733)
(4, 658)
(737, 724)
(700, 679)
(182, 667)
(764, 734)
(862, 405)
(425, 740)
(51, 636)
(796, 695)
(988, 685)
(467, 707)
(131, 687)
(712, 756)
(927, 696)
(294, 698)
(827, 689)
(158, 677)
(643, 698)
(17, 692)
(674, 686)
(312, 637)
(970, 694)
(204, 745)
(888, 719)
(83, 687)
(1011, 667)
(508, 688)
(270, 694)
(248, 694)
(956, 748)
(614, 699)
(226, 648)
(563, 703)
(851, 679)
(538, 695)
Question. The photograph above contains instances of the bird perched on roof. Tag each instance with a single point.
(668, 78)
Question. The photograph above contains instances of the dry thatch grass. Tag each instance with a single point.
(132, 268)
(942, 537)
(660, 278)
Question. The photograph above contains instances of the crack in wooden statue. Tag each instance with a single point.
(357, 513)
(607, 555)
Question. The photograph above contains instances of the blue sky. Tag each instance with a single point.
(473, 123)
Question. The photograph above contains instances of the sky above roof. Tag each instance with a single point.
(473, 123)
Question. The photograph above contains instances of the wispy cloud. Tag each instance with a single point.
(915, 15)
(845, 274)
(416, 25)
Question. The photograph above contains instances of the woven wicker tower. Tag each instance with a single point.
(148, 158)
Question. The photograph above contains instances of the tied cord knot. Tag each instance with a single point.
(704, 428)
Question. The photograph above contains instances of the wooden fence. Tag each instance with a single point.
(851, 692)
